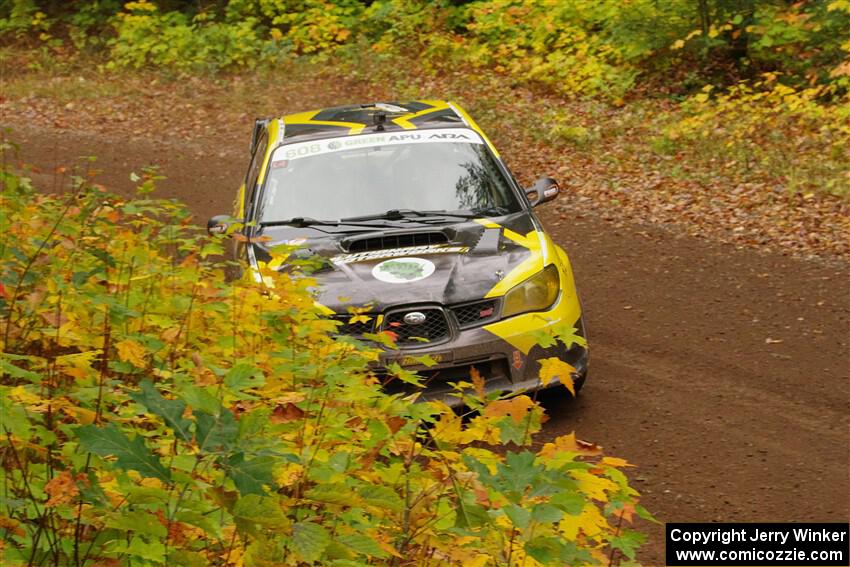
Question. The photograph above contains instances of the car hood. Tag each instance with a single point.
(417, 263)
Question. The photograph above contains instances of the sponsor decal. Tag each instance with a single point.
(414, 360)
(293, 242)
(403, 270)
(307, 149)
(425, 136)
(398, 252)
(438, 357)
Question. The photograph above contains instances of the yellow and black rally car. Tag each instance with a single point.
(421, 225)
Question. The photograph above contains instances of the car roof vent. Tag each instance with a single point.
(389, 241)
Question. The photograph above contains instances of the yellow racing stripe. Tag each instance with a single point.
(522, 272)
(520, 331)
(468, 119)
(405, 121)
(306, 118)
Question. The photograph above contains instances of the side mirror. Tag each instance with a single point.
(220, 224)
(544, 189)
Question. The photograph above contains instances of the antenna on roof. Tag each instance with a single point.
(380, 119)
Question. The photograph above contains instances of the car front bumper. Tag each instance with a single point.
(505, 354)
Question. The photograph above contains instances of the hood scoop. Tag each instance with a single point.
(488, 242)
(390, 241)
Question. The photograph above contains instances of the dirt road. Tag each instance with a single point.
(721, 373)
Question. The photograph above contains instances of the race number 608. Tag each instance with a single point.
(302, 151)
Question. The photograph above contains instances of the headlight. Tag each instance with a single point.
(537, 293)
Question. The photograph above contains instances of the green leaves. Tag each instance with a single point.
(132, 454)
(309, 540)
(137, 521)
(518, 516)
(215, 433)
(628, 542)
(550, 550)
(225, 436)
(253, 475)
(263, 510)
(362, 544)
(171, 411)
(243, 376)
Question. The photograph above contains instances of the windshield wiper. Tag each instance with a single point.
(301, 222)
(403, 214)
(495, 211)
(390, 215)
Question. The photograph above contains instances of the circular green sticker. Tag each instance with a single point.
(403, 270)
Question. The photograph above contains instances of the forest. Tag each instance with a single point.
(144, 418)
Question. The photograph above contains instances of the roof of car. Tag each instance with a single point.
(378, 116)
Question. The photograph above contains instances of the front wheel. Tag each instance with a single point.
(578, 383)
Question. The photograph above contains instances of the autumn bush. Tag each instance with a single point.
(767, 130)
(699, 53)
(579, 47)
(147, 36)
(152, 413)
(762, 85)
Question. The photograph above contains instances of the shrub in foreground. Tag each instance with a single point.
(152, 413)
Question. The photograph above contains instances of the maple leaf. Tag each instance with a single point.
(616, 462)
(568, 443)
(516, 407)
(54, 319)
(595, 487)
(61, 489)
(132, 352)
(359, 315)
(551, 368)
(287, 412)
(11, 526)
(251, 475)
(395, 423)
(477, 382)
(83, 415)
(171, 411)
(78, 364)
(132, 454)
(627, 512)
(170, 334)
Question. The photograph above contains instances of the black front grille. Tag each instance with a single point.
(390, 241)
(477, 313)
(358, 328)
(433, 329)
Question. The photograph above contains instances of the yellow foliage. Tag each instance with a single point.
(225, 416)
(552, 368)
(132, 352)
(768, 129)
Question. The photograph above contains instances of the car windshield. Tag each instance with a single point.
(428, 170)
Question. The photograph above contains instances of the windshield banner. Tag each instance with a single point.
(375, 139)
